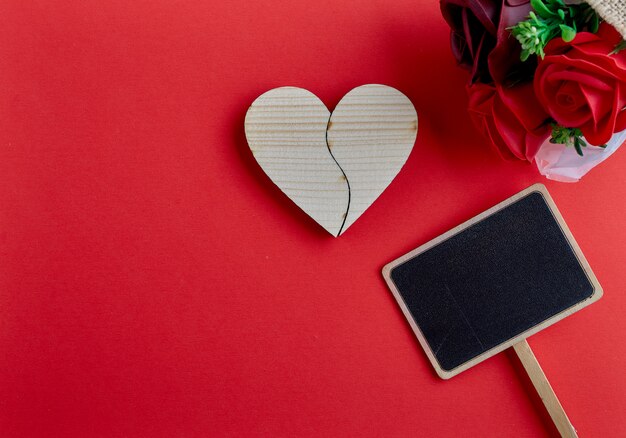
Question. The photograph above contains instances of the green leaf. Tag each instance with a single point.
(595, 23)
(621, 46)
(542, 9)
(525, 55)
(577, 146)
(567, 33)
(561, 14)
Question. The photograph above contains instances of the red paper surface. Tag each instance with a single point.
(154, 282)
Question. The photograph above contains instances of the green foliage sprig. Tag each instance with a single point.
(550, 19)
(569, 137)
(621, 46)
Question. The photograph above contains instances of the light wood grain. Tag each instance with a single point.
(286, 131)
(544, 389)
(371, 134)
(596, 295)
(332, 166)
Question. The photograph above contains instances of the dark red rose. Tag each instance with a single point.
(480, 40)
(474, 28)
(582, 85)
(511, 118)
(504, 61)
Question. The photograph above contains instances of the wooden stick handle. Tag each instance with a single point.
(545, 391)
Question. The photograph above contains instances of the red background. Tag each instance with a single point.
(153, 282)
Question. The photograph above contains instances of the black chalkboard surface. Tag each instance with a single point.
(492, 281)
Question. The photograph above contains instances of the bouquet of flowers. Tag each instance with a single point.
(548, 78)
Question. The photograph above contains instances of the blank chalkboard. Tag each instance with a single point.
(492, 281)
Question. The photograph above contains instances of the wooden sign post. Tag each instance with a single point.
(544, 389)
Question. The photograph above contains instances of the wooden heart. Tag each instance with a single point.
(332, 166)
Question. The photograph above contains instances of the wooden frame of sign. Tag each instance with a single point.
(594, 297)
(519, 343)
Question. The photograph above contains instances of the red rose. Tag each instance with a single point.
(511, 118)
(582, 85)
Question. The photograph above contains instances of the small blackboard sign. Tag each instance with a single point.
(492, 281)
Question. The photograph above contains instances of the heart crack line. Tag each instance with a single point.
(345, 216)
